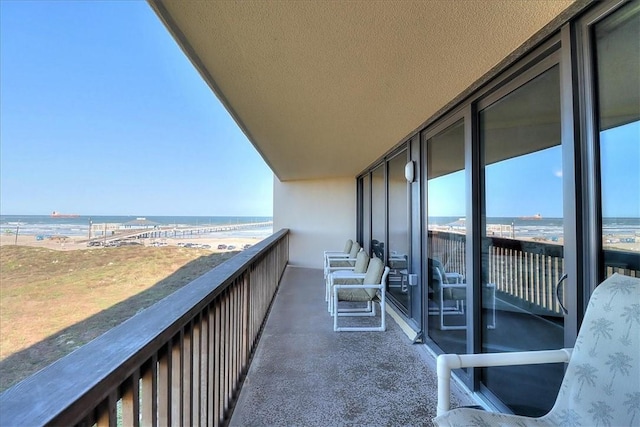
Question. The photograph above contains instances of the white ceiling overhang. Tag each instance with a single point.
(324, 88)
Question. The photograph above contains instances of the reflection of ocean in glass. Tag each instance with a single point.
(79, 226)
(547, 228)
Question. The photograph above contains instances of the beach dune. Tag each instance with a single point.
(63, 243)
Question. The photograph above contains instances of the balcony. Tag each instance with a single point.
(251, 343)
(224, 342)
(303, 373)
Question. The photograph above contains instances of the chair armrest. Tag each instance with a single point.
(331, 270)
(456, 277)
(363, 286)
(329, 260)
(447, 362)
(453, 285)
(335, 254)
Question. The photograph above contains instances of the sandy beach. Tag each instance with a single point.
(77, 242)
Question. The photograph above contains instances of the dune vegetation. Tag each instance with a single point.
(52, 302)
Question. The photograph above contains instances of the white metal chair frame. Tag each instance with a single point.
(447, 362)
(342, 273)
(369, 310)
(337, 275)
(330, 259)
(456, 281)
(337, 254)
(602, 379)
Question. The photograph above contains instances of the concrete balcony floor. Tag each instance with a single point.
(304, 374)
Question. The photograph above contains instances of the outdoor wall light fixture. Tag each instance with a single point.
(409, 171)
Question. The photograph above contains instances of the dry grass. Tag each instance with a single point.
(52, 302)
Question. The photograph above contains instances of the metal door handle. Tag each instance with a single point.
(558, 285)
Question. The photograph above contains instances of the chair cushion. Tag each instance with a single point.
(347, 246)
(339, 263)
(355, 248)
(347, 281)
(602, 382)
(374, 275)
(476, 417)
(601, 385)
(362, 262)
(374, 272)
(353, 254)
(360, 295)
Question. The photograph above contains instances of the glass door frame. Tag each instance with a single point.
(403, 150)
(587, 131)
(465, 114)
(556, 51)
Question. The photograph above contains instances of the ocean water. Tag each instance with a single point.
(79, 226)
(549, 228)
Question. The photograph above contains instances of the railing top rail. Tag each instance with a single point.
(90, 372)
(541, 248)
(529, 246)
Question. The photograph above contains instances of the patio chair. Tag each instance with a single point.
(353, 276)
(337, 254)
(601, 385)
(342, 263)
(344, 252)
(398, 263)
(449, 292)
(373, 282)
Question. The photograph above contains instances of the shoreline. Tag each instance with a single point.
(71, 243)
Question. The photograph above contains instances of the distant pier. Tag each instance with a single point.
(112, 232)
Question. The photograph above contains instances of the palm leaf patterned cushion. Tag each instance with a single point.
(601, 386)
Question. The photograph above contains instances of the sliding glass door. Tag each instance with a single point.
(446, 283)
(617, 77)
(522, 228)
(399, 233)
(378, 213)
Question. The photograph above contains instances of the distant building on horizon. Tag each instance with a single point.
(140, 223)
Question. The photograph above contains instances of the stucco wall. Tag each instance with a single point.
(320, 214)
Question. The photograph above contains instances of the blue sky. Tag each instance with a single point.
(102, 114)
(532, 184)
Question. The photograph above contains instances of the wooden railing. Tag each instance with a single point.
(623, 262)
(525, 272)
(179, 362)
(449, 249)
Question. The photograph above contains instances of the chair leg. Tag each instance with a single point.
(327, 295)
(371, 306)
(369, 310)
(383, 311)
(334, 309)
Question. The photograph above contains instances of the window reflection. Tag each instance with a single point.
(618, 70)
(366, 213)
(522, 248)
(446, 225)
(398, 231)
(378, 215)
